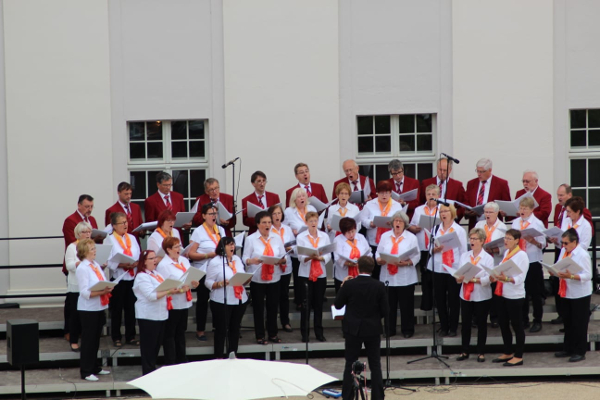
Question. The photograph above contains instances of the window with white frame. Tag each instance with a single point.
(177, 147)
(584, 155)
(407, 137)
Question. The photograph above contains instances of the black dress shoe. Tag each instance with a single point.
(561, 354)
(536, 327)
(507, 364)
(462, 357)
(501, 360)
(321, 338)
(408, 335)
(451, 333)
(557, 321)
(443, 332)
(576, 357)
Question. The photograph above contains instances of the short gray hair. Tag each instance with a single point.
(395, 165)
(481, 235)
(492, 206)
(401, 215)
(163, 177)
(82, 226)
(532, 172)
(484, 163)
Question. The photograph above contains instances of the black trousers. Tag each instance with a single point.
(151, 338)
(91, 330)
(447, 300)
(223, 320)
(403, 297)
(352, 352)
(534, 290)
(494, 305)
(576, 317)
(174, 340)
(284, 298)
(122, 302)
(316, 291)
(510, 314)
(426, 283)
(202, 296)
(377, 269)
(265, 294)
(298, 286)
(337, 284)
(74, 326)
(67, 313)
(478, 310)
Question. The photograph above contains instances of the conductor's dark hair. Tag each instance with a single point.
(225, 240)
(84, 197)
(260, 215)
(366, 264)
(516, 234)
(163, 177)
(572, 235)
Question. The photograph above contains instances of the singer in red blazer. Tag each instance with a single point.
(408, 185)
(454, 191)
(544, 199)
(363, 185)
(136, 216)
(558, 221)
(316, 189)
(155, 204)
(272, 199)
(498, 191)
(226, 200)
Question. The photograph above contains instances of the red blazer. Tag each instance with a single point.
(558, 221)
(317, 190)
(136, 215)
(227, 201)
(272, 199)
(544, 199)
(498, 191)
(454, 191)
(154, 205)
(409, 184)
(362, 179)
(69, 231)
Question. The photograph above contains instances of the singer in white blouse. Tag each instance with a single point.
(164, 228)
(342, 209)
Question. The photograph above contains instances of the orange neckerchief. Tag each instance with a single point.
(384, 213)
(393, 269)
(162, 233)
(188, 294)
(126, 248)
(343, 214)
(161, 280)
(498, 291)
(447, 256)
(237, 290)
(302, 214)
(103, 298)
(266, 274)
(216, 237)
(315, 265)
(488, 233)
(562, 286)
(522, 243)
(354, 255)
(280, 233)
(469, 286)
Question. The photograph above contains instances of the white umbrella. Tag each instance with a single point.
(232, 379)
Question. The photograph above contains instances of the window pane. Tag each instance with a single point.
(407, 143)
(577, 138)
(366, 170)
(365, 144)
(152, 188)
(196, 129)
(424, 123)
(594, 118)
(381, 173)
(179, 130)
(577, 119)
(578, 173)
(424, 171)
(136, 131)
(137, 179)
(383, 144)
(424, 142)
(197, 149)
(197, 178)
(594, 176)
(409, 170)
(179, 149)
(594, 137)
(594, 201)
(154, 130)
(180, 182)
(365, 125)
(137, 151)
(407, 123)
(581, 193)
(382, 124)
(155, 150)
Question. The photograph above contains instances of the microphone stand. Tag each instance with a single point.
(233, 194)
(434, 352)
(224, 255)
(307, 312)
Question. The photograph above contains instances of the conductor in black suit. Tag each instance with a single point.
(366, 304)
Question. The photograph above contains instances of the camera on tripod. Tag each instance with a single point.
(358, 367)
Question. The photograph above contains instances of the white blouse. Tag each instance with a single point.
(205, 245)
(584, 230)
(71, 261)
(303, 240)
(499, 232)
(288, 236)
(406, 275)
(481, 291)
(86, 278)
(147, 306)
(351, 211)
(583, 287)
(438, 257)
(340, 271)
(415, 221)
(116, 248)
(293, 219)
(534, 253)
(155, 240)
(254, 248)
(166, 267)
(214, 273)
(372, 210)
(516, 290)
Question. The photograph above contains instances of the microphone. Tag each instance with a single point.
(442, 202)
(237, 158)
(387, 283)
(454, 160)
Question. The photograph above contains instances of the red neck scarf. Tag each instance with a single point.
(266, 274)
(316, 269)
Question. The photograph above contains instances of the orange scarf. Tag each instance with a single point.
(488, 233)
(266, 274)
(103, 298)
(162, 233)
(384, 213)
(469, 286)
(562, 286)
(169, 298)
(522, 243)
(315, 265)
(216, 237)
(429, 213)
(280, 233)
(393, 269)
(188, 294)
(343, 214)
(237, 290)
(447, 256)
(126, 248)
(498, 291)
(354, 255)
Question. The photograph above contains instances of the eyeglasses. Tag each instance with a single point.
(211, 213)
(565, 243)
(400, 172)
(474, 238)
(121, 223)
(213, 189)
(479, 171)
(166, 185)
